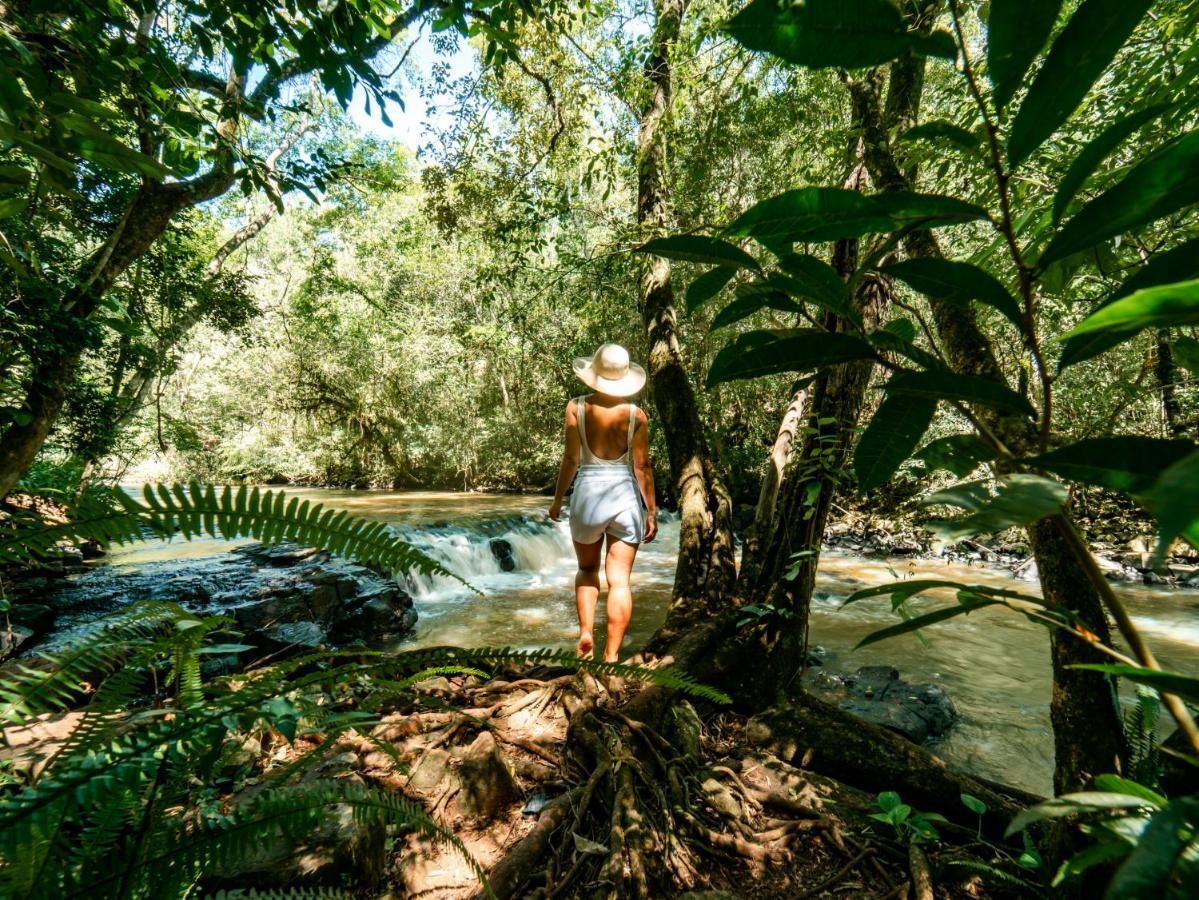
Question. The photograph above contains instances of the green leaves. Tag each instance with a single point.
(708, 285)
(818, 282)
(967, 603)
(770, 352)
(1175, 683)
(1152, 868)
(1078, 57)
(1096, 151)
(752, 298)
(849, 34)
(1174, 502)
(1124, 463)
(959, 454)
(1163, 183)
(957, 283)
(1156, 307)
(938, 130)
(816, 214)
(1016, 32)
(1178, 264)
(1015, 500)
(964, 388)
(700, 249)
(890, 438)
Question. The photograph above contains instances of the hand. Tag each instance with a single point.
(651, 526)
(556, 510)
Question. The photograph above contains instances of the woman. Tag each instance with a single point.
(607, 444)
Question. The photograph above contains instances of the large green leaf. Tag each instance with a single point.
(700, 249)
(964, 388)
(847, 34)
(1184, 686)
(890, 438)
(1074, 804)
(770, 352)
(707, 286)
(817, 214)
(959, 454)
(1015, 500)
(1174, 502)
(917, 622)
(1124, 463)
(1155, 307)
(1178, 264)
(1016, 32)
(1151, 870)
(1077, 58)
(957, 283)
(1163, 183)
(819, 282)
(751, 299)
(1097, 151)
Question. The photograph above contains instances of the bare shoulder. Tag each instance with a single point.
(642, 418)
(572, 412)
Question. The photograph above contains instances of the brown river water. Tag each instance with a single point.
(994, 664)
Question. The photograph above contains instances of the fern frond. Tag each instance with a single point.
(52, 684)
(283, 894)
(289, 814)
(114, 517)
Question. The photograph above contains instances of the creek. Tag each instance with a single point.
(993, 664)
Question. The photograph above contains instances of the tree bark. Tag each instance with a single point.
(706, 568)
(1085, 715)
(1167, 376)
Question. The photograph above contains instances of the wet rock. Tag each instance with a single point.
(277, 554)
(877, 694)
(501, 549)
(12, 639)
(373, 617)
(297, 634)
(37, 617)
(488, 785)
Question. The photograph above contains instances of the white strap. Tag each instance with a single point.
(632, 428)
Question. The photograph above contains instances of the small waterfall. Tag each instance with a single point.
(496, 554)
(487, 552)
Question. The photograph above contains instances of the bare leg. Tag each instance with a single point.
(618, 564)
(586, 594)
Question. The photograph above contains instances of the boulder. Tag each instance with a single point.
(382, 614)
(877, 694)
(501, 549)
(37, 617)
(488, 785)
(12, 639)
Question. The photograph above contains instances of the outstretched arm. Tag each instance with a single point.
(643, 469)
(570, 461)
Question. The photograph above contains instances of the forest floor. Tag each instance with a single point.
(496, 764)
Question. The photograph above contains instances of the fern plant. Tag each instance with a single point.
(1140, 734)
(139, 800)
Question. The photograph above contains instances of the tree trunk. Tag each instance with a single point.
(706, 567)
(1167, 376)
(1086, 718)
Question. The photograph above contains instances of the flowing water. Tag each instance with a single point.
(993, 663)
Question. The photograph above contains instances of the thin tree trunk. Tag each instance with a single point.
(1167, 376)
(765, 518)
(706, 567)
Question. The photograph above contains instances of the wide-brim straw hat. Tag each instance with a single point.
(610, 371)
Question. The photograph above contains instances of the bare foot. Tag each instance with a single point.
(586, 647)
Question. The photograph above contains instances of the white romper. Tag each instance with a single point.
(606, 498)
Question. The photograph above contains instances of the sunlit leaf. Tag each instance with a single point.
(1155, 307)
(1180, 263)
(1123, 463)
(1150, 870)
(1015, 500)
(923, 621)
(1162, 183)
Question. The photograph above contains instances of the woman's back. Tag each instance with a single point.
(605, 428)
